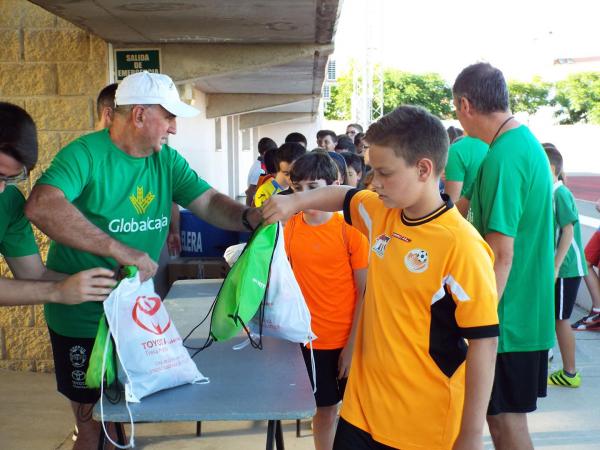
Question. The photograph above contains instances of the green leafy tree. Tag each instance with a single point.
(399, 88)
(578, 98)
(339, 105)
(529, 97)
(428, 90)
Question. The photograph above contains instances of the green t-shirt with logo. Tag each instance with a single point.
(464, 158)
(512, 195)
(16, 236)
(126, 197)
(565, 212)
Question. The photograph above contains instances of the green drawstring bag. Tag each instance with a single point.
(94, 375)
(245, 287)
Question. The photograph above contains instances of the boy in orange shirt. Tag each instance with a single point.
(414, 383)
(329, 259)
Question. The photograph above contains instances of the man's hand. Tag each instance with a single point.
(92, 285)
(279, 208)
(127, 256)
(174, 244)
(344, 362)
(469, 441)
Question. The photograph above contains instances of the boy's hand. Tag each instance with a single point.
(279, 208)
(468, 441)
(344, 362)
(90, 285)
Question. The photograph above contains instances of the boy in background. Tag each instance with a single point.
(284, 157)
(356, 168)
(258, 168)
(414, 383)
(329, 259)
(569, 268)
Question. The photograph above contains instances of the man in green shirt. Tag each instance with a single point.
(18, 155)
(512, 209)
(106, 201)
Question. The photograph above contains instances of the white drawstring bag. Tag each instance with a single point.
(149, 348)
(284, 311)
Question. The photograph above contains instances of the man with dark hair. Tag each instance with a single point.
(105, 106)
(511, 202)
(18, 155)
(106, 199)
(297, 137)
(353, 129)
(326, 139)
(258, 168)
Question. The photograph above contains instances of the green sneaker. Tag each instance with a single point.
(559, 378)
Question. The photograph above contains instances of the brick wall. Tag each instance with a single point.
(54, 70)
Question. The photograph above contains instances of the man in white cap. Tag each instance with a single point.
(106, 200)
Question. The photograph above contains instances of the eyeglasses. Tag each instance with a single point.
(15, 179)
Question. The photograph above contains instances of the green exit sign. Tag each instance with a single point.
(130, 61)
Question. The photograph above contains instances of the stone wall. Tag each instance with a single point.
(54, 70)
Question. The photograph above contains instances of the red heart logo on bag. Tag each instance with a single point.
(144, 310)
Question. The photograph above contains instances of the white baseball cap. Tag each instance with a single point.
(144, 88)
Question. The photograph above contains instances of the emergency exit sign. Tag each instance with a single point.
(133, 60)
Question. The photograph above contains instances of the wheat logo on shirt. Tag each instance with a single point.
(140, 201)
(381, 244)
(417, 260)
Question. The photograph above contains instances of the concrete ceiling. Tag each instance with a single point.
(192, 22)
(202, 21)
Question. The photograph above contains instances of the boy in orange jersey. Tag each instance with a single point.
(414, 383)
(329, 259)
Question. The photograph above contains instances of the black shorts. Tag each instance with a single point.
(520, 378)
(330, 390)
(349, 437)
(565, 294)
(71, 360)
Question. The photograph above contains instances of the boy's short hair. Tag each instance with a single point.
(354, 161)
(269, 159)
(314, 166)
(554, 157)
(266, 144)
(322, 133)
(288, 152)
(413, 133)
(345, 143)
(484, 86)
(296, 137)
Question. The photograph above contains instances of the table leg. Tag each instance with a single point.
(198, 429)
(278, 436)
(270, 435)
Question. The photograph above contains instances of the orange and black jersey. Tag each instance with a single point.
(430, 286)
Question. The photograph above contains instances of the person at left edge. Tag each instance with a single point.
(106, 200)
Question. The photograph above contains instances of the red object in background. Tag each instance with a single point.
(584, 187)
